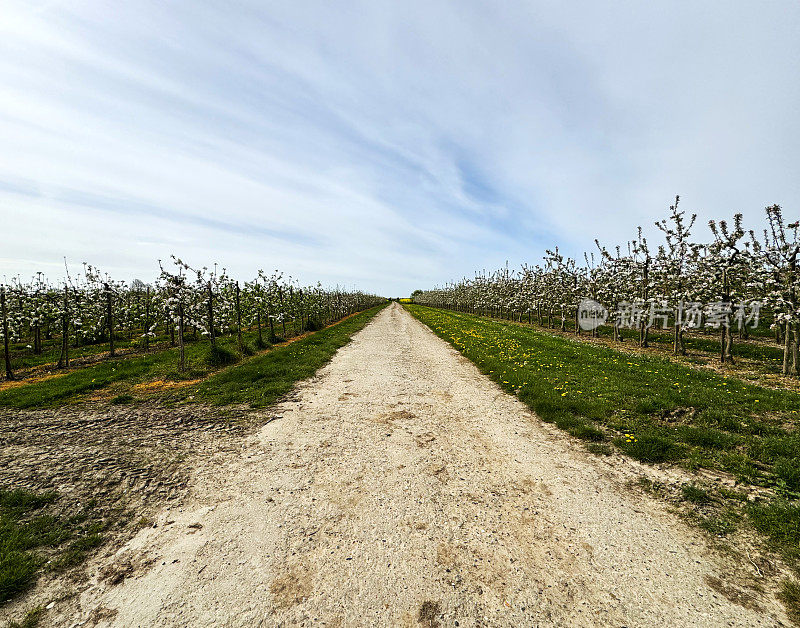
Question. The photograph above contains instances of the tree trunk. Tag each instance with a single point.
(722, 345)
(728, 344)
(272, 337)
(676, 337)
(6, 351)
(211, 333)
(283, 313)
(786, 348)
(63, 360)
(239, 319)
(78, 334)
(110, 320)
(147, 321)
(180, 338)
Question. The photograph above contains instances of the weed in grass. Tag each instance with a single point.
(721, 524)
(695, 494)
(122, 399)
(775, 446)
(599, 449)
(651, 447)
(790, 596)
(779, 520)
(586, 431)
(788, 470)
(707, 437)
(741, 465)
(31, 619)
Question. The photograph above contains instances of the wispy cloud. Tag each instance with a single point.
(390, 145)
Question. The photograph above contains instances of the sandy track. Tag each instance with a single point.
(401, 487)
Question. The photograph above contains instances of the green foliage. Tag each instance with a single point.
(122, 399)
(60, 388)
(708, 437)
(579, 427)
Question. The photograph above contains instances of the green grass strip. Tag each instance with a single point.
(25, 533)
(125, 372)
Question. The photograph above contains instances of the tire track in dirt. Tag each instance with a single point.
(400, 487)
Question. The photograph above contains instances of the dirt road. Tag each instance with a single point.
(401, 487)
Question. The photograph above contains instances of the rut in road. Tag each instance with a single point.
(401, 487)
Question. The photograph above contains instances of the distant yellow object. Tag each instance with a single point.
(406, 300)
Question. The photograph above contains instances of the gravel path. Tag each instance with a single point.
(401, 487)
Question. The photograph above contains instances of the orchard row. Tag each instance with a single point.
(184, 301)
(732, 268)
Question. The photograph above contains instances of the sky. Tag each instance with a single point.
(388, 146)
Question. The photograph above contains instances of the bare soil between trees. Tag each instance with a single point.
(399, 486)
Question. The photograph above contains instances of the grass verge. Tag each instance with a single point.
(32, 538)
(121, 375)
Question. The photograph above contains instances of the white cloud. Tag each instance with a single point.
(393, 145)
